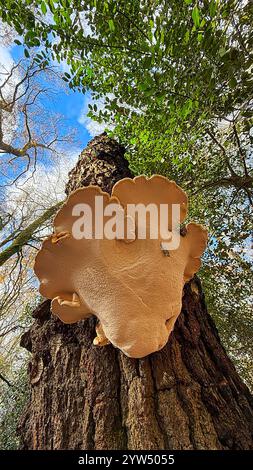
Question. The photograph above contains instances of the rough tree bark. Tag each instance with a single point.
(187, 396)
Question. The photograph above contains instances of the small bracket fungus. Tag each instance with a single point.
(56, 237)
(132, 284)
(100, 339)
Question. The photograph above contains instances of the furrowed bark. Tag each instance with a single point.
(186, 396)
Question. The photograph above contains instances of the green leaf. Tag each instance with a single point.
(43, 8)
(232, 82)
(89, 72)
(111, 25)
(26, 53)
(188, 2)
(162, 36)
(212, 8)
(186, 37)
(222, 51)
(143, 86)
(196, 16)
(17, 42)
(147, 62)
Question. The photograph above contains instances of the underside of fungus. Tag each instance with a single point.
(133, 286)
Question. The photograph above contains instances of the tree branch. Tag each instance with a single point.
(223, 151)
(5, 380)
(240, 149)
(26, 234)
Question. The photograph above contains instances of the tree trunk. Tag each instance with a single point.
(186, 396)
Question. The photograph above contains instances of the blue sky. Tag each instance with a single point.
(70, 104)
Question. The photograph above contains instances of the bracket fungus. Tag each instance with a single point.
(133, 285)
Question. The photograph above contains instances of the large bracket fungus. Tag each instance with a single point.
(133, 286)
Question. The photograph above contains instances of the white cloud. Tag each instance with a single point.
(85, 22)
(10, 121)
(7, 33)
(6, 44)
(6, 64)
(93, 127)
(6, 60)
(38, 191)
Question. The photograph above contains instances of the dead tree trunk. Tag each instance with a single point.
(187, 396)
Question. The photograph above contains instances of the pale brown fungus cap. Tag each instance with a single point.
(134, 289)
